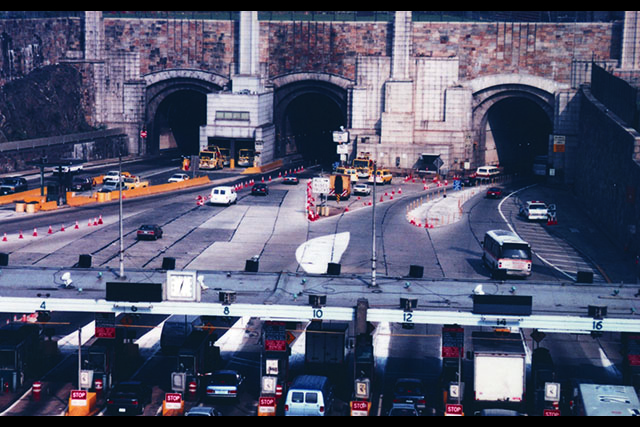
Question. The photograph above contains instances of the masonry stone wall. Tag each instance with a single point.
(607, 172)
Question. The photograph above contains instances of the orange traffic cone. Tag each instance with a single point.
(50, 230)
(20, 236)
(35, 232)
(76, 226)
(62, 227)
(4, 238)
(100, 220)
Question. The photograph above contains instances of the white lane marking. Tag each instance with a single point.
(314, 255)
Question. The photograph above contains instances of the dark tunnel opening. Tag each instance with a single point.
(178, 118)
(310, 121)
(520, 129)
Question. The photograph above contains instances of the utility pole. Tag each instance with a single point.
(373, 230)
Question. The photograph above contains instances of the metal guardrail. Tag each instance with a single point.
(58, 140)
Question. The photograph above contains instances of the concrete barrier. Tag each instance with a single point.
(264, 168)
(99, 197)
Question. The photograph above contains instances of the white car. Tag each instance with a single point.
(178, 177)
(363, 189)
(534, 210)
(223, 195)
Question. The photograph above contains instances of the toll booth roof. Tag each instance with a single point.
(490, 342)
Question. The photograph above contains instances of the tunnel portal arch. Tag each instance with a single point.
(512, 122)
(308, 107)
(176, 107)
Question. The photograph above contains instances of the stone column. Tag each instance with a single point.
(631, 41)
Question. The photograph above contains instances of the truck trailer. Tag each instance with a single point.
(499, 371)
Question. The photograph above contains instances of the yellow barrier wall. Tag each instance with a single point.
(264, 168)
(136, 192)
(23, 195)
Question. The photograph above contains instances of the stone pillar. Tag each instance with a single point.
(248, 68)
(398, 115)
(94, 44)
(401, 46)
(631, 41)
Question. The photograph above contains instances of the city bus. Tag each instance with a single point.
(505, 253)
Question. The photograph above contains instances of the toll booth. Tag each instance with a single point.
(99, 356)
(18, 353)
(198, 355)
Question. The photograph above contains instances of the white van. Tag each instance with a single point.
(487, 172)
(309, 395)
(223, 195)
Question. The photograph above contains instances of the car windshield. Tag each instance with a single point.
(516, 251)
(146, 227)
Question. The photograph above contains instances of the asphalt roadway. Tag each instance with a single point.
(287, 295)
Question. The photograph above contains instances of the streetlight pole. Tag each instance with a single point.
(120, 210)
(373, 230)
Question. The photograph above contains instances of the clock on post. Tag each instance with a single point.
(182, 286)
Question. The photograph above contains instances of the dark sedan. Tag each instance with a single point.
(494, 193)
(410, 391)
(260, 189)
(149, 231)
(290, 179)
(128, 397)
(81, 183)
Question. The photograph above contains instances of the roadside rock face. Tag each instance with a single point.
(47, 102)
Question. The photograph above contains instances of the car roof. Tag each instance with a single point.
(201, 410)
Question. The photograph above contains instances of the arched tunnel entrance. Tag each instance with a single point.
(517, 130)
(306, 115)
(177, 122)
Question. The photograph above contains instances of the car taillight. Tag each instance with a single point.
(286, 408)
(322, 409)
(134, 401)
(422, 402)
(109, 402)
(233, 391)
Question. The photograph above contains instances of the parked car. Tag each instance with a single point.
(362, 189)
(178, 177)
(494, 193)
(225, 384)
(260, 189)
(113, 175)
(290, 179)
(203, 411)
(223, 195)
(110, 185)
(81, 183)
(403, 410)
(410, 391)
(150, 231)
(128, 397)
(12, 185)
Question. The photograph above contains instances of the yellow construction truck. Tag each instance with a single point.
(211, 158)
(363, 165)
(246, 157)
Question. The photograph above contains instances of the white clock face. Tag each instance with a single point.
(181, 286)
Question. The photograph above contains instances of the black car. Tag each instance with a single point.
(149, 231)
(81, 183)
(410, 391)
(13, 185)
(290, 179)
(260, 189)
(128, 397)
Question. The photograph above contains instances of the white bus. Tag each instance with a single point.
(506, 254)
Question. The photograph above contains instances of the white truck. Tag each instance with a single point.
(499, 370)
